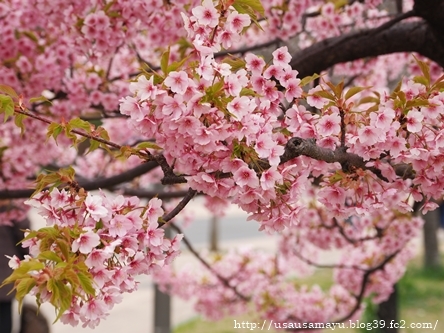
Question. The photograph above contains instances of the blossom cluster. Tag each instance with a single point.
(213, 118)
(270, 283)
(218, 117)
(105, 241)
(224, 124)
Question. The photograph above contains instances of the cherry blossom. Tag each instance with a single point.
(86, 242)
(320, 163)
(206, 14)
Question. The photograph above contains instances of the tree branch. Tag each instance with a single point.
(307, 147)
(224, 281)
(365, 281)
(91, 185)
(181, 205)
(147, 194)
(404, 37)
(432, 11)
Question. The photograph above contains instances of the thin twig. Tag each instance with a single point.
(181, 205)
(225, 282)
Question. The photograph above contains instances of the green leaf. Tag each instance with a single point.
(402, 98)
(39, 99)
(8, 91)
(102, 133)
(82, 124)
(439, 86)
(338, 89)
(340, 3)
(49, 255)
(125, 151)
(61, 265)
(176, 65)
(184, 45)
(65, 299)
(70, 135)
(67, 174)
(235, 63)
(164, 61)
(368, 99)
(93, 145)
(48, 231)
(421, 80)
(324, 94)
(54, 130)
(248, 92)
(6, 106)
(396, 90)
(147, 145)
(108, 6)
(23, 288)
(308, 79)
(18, 120)
(416, 102)
(86, 283)
(373, 108)
(336, 177)
(353, 91)
(425, 69)
(255, 5)
(31, 36)
(22, 271)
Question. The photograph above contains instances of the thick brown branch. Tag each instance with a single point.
(403, 37)
(307, 147)
(103, 183)
(169, 177)
(432, 11)
(147, 194)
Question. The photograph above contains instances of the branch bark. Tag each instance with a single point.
(432, 11)
(91, 185)
(403, 37)
(349, 161)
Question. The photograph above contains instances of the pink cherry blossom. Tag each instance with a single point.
(293, 90)
(94, 206)
(236, 22)
(315, 100)
(254, 64)
(414, 119)
(329, 125)
(86, 242)
(244, 176)
(93, 309)
(154, 235)
(154, 210)
(270, 177)
(177, 82)
(144, 88)
(130, 106)
(206, 14)
(224, 122)
(281, 57)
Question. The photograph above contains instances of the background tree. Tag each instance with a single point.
(309, 140)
